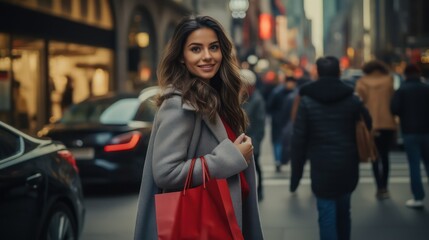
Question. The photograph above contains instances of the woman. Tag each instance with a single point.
(199, 115)
(376, 90)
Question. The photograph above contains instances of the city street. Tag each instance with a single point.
(80, 78)
(111, 212)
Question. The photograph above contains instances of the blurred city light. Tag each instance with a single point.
(252, 59)
(142, 39)
(265, 26)
(238, 8)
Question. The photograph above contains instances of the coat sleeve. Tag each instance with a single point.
(173, 135)
(361, 91)
(299, 146)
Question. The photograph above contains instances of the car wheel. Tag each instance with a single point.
(60, 224)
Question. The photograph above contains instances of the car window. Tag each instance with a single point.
(121, 111)
(146, 111)
(9, 144)
(107, 111)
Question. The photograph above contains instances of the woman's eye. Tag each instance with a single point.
(214, 47)
(195, 49)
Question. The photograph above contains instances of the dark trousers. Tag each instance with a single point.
(380, 168)
(259, 173)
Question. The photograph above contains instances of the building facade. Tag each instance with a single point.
(57, 52)
(392, 31)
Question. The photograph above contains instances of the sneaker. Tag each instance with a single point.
(382, 194)
(412, 203)
(278, 168)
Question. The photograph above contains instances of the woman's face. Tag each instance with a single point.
(201, 54)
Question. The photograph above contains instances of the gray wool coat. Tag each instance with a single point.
(178, 135)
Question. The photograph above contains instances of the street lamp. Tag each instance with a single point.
(238, 8)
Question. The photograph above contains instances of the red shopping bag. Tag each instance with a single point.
(204, 212)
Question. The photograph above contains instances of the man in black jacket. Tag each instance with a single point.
(324, 133)
(411, 103)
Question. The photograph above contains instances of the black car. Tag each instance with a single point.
(108, 135)
(40, 189)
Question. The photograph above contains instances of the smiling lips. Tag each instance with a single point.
(207, 67)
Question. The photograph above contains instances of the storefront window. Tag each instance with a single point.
(141, 52)
(77, 72)
(66, 6)
(84, 8)
(27, 65)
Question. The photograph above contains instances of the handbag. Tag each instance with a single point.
(204, 212)
(366, 147)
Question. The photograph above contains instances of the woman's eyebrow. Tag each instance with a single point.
(200, 44)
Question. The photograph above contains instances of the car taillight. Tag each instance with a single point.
(123, 142)
(68, 156)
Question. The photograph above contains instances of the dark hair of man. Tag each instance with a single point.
(328, 67)
(375, 66)
(412, 71)
(222, 94)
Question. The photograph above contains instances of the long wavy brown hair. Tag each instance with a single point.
(222, 94)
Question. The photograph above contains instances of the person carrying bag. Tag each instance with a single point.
(366, 147)
(200, 87)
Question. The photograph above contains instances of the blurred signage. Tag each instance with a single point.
(265, 26)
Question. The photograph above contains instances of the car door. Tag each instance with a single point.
(21, 188)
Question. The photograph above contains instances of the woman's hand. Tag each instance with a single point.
(244, 145)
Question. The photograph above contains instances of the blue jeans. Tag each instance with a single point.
(334, 218)
(277, 147)
(417, 147)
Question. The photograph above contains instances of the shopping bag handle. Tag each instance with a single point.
(205, 172)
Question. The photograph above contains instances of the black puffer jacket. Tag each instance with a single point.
(324, 132)
(411, 104)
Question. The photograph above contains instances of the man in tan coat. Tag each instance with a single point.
(376, 90)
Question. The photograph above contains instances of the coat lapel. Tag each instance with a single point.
(217, 128)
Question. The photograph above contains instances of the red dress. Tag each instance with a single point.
(244, 185)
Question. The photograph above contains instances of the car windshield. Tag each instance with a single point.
(111, 111)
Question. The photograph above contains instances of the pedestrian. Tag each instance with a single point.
(199, 114)
(324, 133)
(376, 89)
(275, 105)
(410, 103)
(289, 113)
(255, 110)
(67, 97)
(22, 120)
